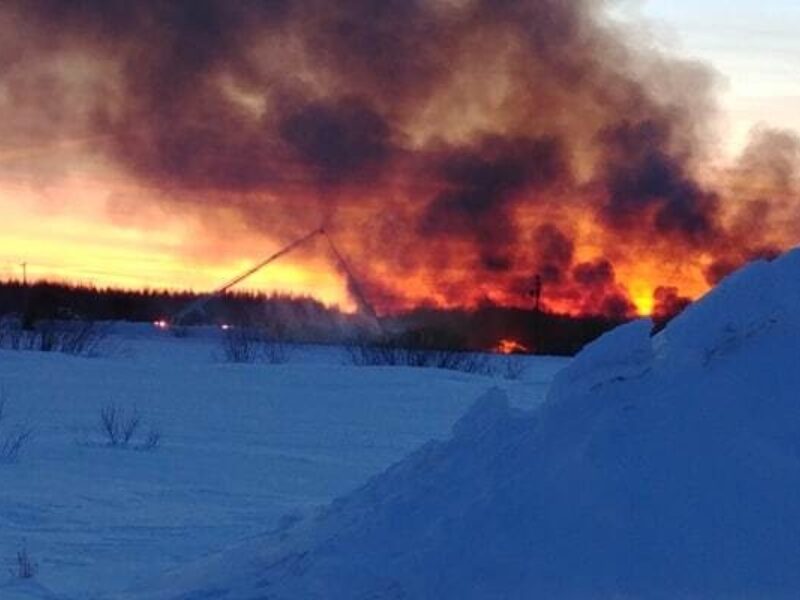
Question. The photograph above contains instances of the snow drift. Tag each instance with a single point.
(664, 466)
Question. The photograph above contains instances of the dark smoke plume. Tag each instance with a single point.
(457, 148)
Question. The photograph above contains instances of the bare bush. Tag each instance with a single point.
(81, 338)
(119, 428)
(240, 345)
(12, 334)
(118, 425)
(274, 352)
(72, 336)
(249, 345)
(24, 566)
(512, 368)
(420, 348)
(12, 440)
(151, 441)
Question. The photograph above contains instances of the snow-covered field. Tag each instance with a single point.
(243, 446)
(663, 466)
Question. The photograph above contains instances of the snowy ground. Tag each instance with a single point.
(658, 467)
(243, 445)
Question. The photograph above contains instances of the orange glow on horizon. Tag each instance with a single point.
(157, 250)
(78, 231)
(84, 244)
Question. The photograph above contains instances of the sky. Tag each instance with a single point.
(91, 225)
(753, 45)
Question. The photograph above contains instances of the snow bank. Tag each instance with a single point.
(242, 445)
(658, 467)
(760, 298)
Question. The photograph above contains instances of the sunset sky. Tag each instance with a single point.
(71, 212)
(754, 47)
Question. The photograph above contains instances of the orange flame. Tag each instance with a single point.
(509, 346)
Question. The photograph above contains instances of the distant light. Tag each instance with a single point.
(161, 324)
(225, 327)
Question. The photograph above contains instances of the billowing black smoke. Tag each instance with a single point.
(456, 148)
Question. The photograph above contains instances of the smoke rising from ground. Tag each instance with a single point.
(456, 148)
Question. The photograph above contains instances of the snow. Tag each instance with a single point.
(243, 446)
(658, 467)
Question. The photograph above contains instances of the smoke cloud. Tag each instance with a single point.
(455, 148)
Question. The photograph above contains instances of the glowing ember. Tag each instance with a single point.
(509, 346)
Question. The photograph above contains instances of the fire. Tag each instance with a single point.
(643, 303)
(458, 152)
(510, 346)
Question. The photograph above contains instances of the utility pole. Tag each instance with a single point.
(536, 292)
(24, 274)
(536, 318)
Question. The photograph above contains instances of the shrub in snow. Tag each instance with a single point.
(418, 348)
(13, 439)
(72, 336)
(249, 345)
(11, 334)
(152, 440)
(512, 367)
(24, 566)
(276, 353)
(119, 427)
(387, 353)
